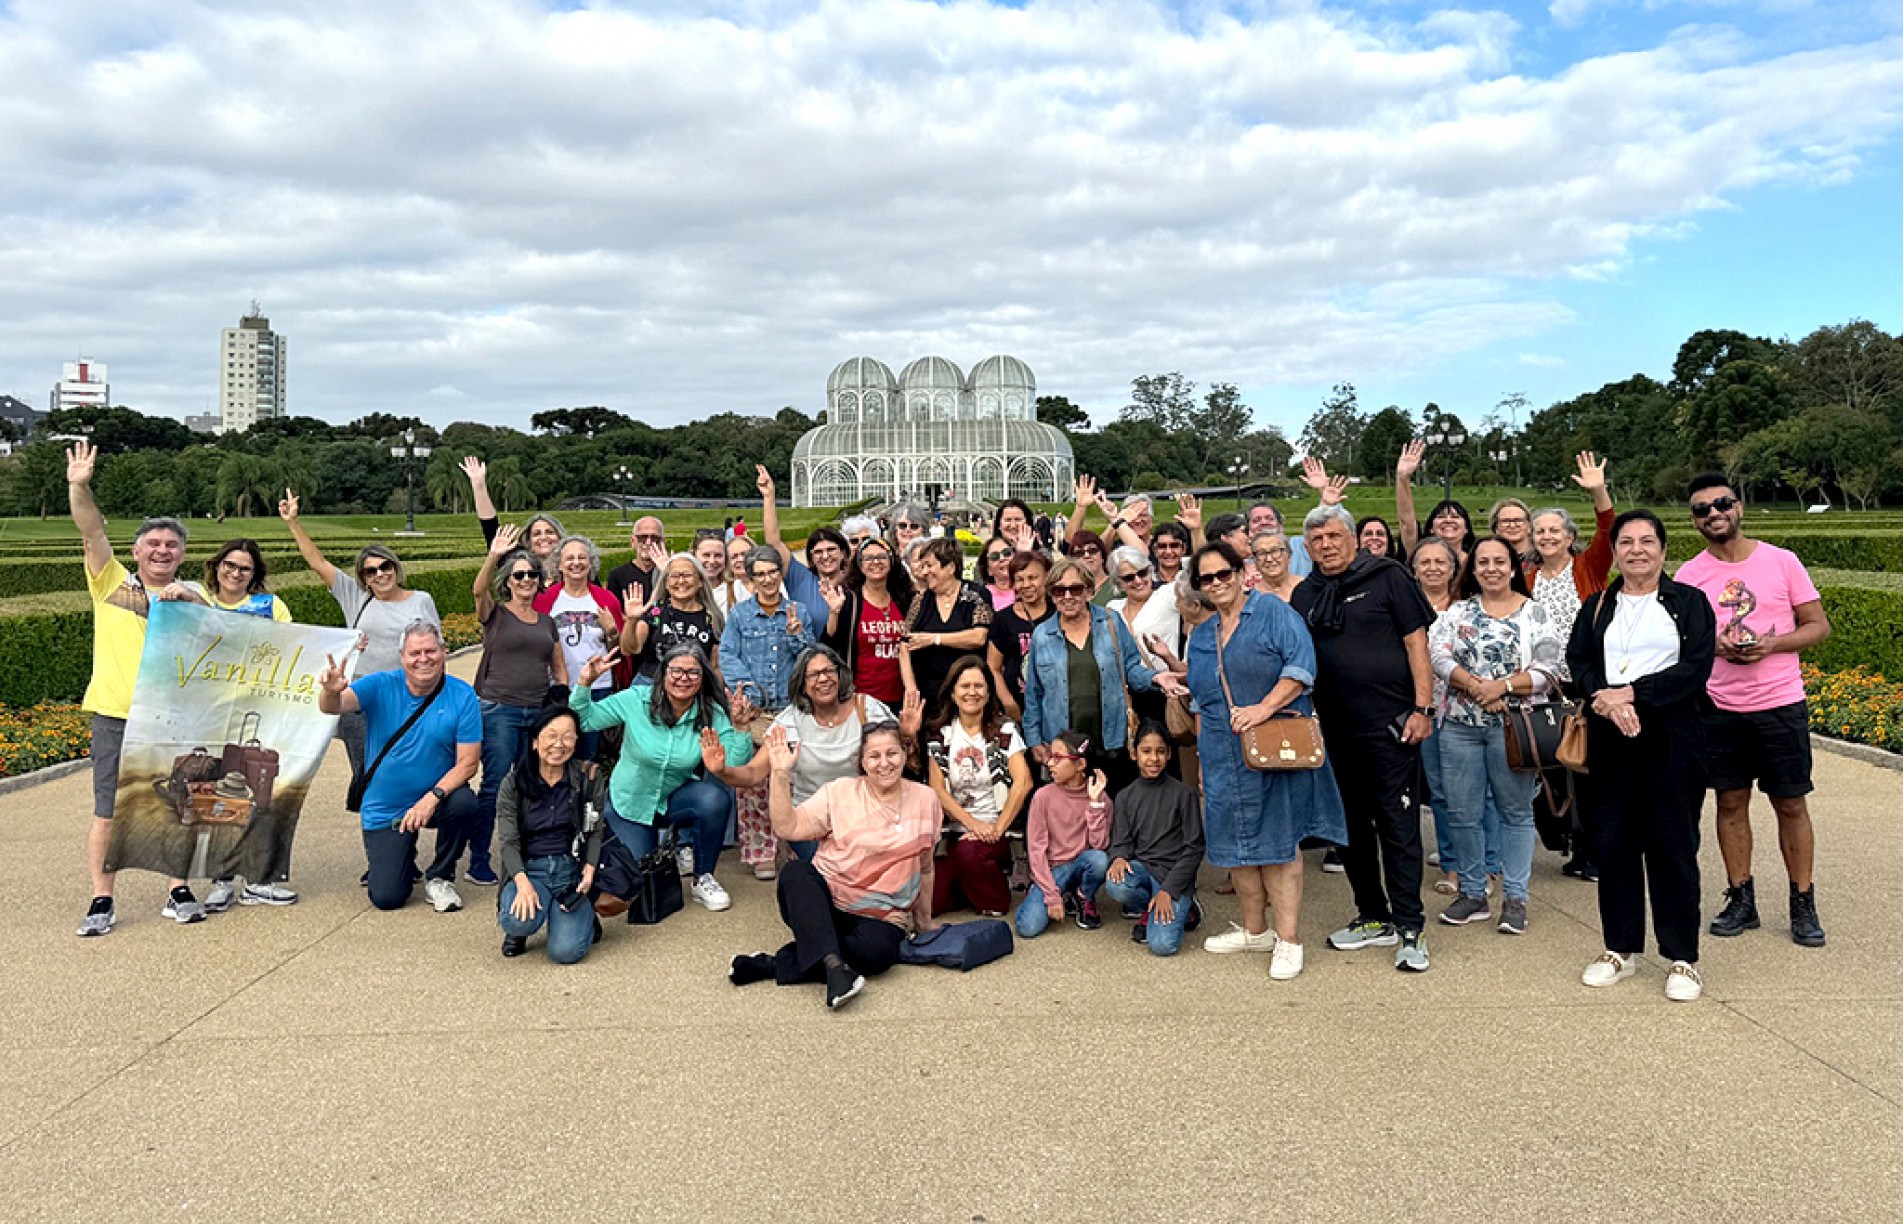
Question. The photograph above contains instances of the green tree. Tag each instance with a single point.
(577, 422)
(1218, 425)
(1386, 433)
(1857, 365)
(1334, 433)
(118, 430)
(380, 426)
(511, 489)
(1740, 397)
(1056, 410)
(1706, 353)
(1164, 400)
(38, 483)
(247, 485)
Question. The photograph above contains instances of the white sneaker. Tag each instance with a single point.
(1682, 984)
(709, 893)
(268, 894)
(1609, 968)
(1286, 961)
(684, 858)
(1238, 939)
(442, 895)
(219, 899)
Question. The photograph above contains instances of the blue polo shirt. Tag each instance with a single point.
(424, 754)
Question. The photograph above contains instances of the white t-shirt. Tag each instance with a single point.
(827, 753)
(578, 625)
(1641, 640)
(968, 774)
(1157, 617)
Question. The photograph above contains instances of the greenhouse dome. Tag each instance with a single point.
(976, 438)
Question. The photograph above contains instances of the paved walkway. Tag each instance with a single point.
(327, 1061)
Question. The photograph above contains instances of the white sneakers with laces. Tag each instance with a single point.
(1286, 961)
(709, 893)
(442, 895)
(1238, 939)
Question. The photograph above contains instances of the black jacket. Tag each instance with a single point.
(586, 787)
(1683, 682)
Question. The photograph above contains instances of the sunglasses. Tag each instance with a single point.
(380, 567)
(1090, 551)
(1723, 505)
(1127, 579)
(1070, 589)
(656, 538)
(1001, 554)
(1225, 574)
(524, 576)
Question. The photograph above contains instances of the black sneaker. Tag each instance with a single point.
(1331, 861)
(1195, 918)
(1580, 868)
(1805, 929)
(1140, 933)
(842, 984)
(1740, 913)
(1089, 918)
(514, 945)
(751, 968)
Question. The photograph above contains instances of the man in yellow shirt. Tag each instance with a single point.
(120, 602)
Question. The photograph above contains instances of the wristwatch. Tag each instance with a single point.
(1424, 711)
(438, 792)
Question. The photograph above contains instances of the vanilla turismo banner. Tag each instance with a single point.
(224, 738)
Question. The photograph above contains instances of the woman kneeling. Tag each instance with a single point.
(870, 877)
(548, 829)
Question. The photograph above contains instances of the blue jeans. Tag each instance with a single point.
(1135, 892)
(1085, 874)
(570, 933)
(1443, 827)
(700, 807)
(1474, 772)
(505, 737)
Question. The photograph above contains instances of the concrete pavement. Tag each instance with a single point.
(330, 1062)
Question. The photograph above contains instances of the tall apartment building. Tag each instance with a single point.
(250, 373)
(82, 384)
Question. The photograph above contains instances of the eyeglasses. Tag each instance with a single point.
(1723, 505)
(765, 571)
(683, 673)
(562, 739)
(235, 568)
(1070, 590)
(371, 570)
(1269, 554)
(1226, 574)
(822, 673)
(1063, 756)
(872, 555)
(651, 538)
(524, 576)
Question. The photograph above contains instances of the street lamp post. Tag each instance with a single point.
(1447, 438)
(408, 453)
(622, 477)
(1499, 455)
(1238, 468)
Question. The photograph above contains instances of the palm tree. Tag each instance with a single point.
(247, 482)
(443, 482)
(509, 486)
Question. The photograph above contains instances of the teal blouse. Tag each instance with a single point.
(655, 759)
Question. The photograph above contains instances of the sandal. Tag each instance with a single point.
(1227, 888)
(1447, 885)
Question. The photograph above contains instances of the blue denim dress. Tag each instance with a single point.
(1253, 819)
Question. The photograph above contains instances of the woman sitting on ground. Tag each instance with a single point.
(549, 821)
(870, 879)
(1066, 838)
(1156, 847)
(975, 762)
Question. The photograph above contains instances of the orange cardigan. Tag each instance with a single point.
(1592, 567)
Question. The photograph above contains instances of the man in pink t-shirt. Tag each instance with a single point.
(1768, 610)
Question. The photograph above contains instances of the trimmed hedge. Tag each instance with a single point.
(48, 656)
(1866, 631)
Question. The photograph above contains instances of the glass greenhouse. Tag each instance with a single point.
(977, 437)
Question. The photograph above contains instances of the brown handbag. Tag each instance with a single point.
(1572, 741)
(1285, 741)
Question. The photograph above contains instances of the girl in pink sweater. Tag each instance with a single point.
(1065, 837)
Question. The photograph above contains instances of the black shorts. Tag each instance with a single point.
(1769, 747)
(109, 741)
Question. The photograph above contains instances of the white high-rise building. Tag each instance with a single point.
(250, 373)
(82, 384)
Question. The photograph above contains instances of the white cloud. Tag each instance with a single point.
(1543, 361)
(483, 209)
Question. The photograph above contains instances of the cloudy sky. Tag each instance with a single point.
(479, 210)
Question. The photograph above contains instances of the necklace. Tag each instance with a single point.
(889, 807)
(1631, 629)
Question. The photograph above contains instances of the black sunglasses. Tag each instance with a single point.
(524, 576)
(1723, 505)
(1225, 574)
(380, 567)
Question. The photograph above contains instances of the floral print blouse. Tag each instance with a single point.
(1492, 648)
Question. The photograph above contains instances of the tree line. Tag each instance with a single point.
(1816, 417)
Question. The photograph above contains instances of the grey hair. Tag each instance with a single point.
(381, 552)
(1274, 536)
(762, 553)
(858, 523)
(561, 532)
(1130, 554)
(911, 512)
(1327, 514)
(161, 523)
(796, 682)
(715, 619)
(499, 586)
(1186, 592)
(1137, 499)
(422, 628)
(1566, 523)
(552, 567)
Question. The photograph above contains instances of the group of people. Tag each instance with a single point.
(894, 735)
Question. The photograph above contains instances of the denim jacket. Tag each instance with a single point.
(757, 652)
(1047, 678)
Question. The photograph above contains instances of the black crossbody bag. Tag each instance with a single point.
(353, 802)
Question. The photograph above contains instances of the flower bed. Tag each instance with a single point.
(37, 736)
(1857, 706)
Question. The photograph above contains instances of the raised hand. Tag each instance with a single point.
(1410, 460)
(1155, 644)
(635, 605)
(763, 481)
(1097, 785)
(331, 679)
(1086, 491)
(1314, 473)
(80, 458)
(912, 713)
(654, 554)
(742, 708)
(507, 537)
(475, 469)
(780, 754)
(713, 753)
(1592, 471)
(792, 616)
(834, 594)
(287, 506)
(598, 666)
(1189, 511)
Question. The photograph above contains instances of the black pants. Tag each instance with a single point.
(392, 853)
(869, 945)
(1646, 795)
(1379, 779)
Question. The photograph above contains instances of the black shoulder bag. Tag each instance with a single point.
(353, 802)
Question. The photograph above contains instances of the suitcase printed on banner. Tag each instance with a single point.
(201, 792)
(249, 758)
